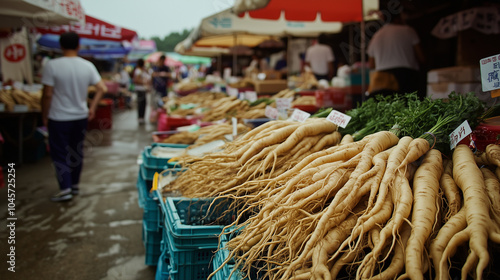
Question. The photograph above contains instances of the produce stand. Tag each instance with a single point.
(195, 251)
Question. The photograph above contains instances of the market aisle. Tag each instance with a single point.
(97, 235)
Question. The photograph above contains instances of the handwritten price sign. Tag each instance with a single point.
(251, 96)
(490, 67)
(271, 113)
(284, 103)
(339, 118)
(232, 91)
(299, 115)
(459, 133)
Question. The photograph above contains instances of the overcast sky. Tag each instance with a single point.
(154, 17)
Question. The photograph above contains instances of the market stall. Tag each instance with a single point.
(99, 39)
(19, 102)
(313, 169)
(37, 13)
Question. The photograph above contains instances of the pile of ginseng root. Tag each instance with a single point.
(380, 208)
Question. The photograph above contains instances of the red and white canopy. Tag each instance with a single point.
(34, 13)
(311, 10)
(94, 28)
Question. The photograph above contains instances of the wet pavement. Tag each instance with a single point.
(97, 235)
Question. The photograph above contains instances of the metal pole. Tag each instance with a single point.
(234, 55)
(288, 56)
(363, 51)
(351, 44)
(219, 63)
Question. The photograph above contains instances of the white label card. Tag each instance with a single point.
(271, 112)
(339, 118)
(232, 91)
(283, 103)
(299, 115)
(490, 66)
(459, 133)
(251, 96)
(235, 126)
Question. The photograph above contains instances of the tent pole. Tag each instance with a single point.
(219, 63)
(288, 56)
(363, 51)
(351, 44)
(234, 56)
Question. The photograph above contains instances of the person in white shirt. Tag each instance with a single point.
(65, 111)
(395, 49)
(141, 79)
(319, 57)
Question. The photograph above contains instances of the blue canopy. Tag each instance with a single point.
(99, 49)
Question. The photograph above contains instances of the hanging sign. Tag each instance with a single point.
(490, 66)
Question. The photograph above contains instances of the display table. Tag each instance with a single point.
(19, 119)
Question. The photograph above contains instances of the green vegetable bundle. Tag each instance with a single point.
(408, 115)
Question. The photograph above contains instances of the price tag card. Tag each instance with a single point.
(490, 66)
(299, 115)
(283, 103)
(235, 126)
(232, 91)
(271, 112)
(251, 96)
(339, 118)
(282, 114)
(459, 133)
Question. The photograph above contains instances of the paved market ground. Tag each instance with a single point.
(97, 235)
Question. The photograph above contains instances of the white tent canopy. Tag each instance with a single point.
(228, 24)
(37, 13)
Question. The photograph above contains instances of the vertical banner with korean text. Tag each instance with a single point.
(15, 57)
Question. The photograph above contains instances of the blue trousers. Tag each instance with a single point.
(66, 142)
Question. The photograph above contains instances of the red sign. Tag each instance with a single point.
(14, 53)
(93, 28)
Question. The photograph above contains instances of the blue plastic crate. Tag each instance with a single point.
(162, 267)
(220, 257)
(192, 264)
(152, 160)
(149, 172)
(144, 189)
(141, 184)
(152, 244)
(151, 205)
(151, 164)
(189, 221)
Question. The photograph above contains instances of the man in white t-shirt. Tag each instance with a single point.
(65, 112)
(395, 49)
(319, 57)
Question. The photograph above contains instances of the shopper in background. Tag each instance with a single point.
(141, 80)
(319, 57)
(161, 76)
(281, 65)
(395, 53)
(65, 111)
(123, 79)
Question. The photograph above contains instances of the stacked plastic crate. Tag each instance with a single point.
(227, 272)
(190, 237)
(152, 225)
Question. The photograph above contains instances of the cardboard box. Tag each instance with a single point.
(272, 75)
(270, 86)
(457, 74)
